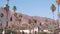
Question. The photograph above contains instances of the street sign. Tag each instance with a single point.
(50, 26)
(4, 20)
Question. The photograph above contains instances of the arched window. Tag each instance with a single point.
(40, 24)
(11, 18)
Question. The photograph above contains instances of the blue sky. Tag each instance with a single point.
(32, 7)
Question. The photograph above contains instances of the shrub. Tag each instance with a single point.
(13, 32)
(42, 33)
(10, 31)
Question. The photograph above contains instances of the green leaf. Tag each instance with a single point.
(53, 8)
(14, 8)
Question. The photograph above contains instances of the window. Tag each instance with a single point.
(40, 24)
(10, 18)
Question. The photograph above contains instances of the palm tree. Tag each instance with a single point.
(53, 8)
(7, 10)
(14, 8)
(33, 23)
(15, 14)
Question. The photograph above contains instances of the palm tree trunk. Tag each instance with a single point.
(29, 30)
(7, 21)
(33, 31)
(6, 24)
(38, 30)
(53, 15)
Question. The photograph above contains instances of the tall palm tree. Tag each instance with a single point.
(53, 8)
(14, 8)
(34, 22)
(7, 10)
